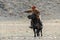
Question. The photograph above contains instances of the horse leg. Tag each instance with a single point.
(41, 33)
(34, 32)
(38, 32)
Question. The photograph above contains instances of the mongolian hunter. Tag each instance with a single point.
(36, 12)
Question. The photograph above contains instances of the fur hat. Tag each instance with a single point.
(33, 7)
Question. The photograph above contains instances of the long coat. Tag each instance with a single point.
(37, 13)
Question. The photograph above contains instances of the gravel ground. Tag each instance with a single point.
(19, 30)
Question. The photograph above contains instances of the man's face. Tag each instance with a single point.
(33, 9)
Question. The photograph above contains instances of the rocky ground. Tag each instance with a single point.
(14, 24)
(19, 30)
(50, 9)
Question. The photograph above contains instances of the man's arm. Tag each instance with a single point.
(28, 11)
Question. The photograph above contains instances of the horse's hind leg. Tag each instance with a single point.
(41, 33)
(38, 32)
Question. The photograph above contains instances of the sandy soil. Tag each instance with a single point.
(19, 30)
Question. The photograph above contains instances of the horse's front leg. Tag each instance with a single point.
(34, 32)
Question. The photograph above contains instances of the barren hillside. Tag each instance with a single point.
(14, 9)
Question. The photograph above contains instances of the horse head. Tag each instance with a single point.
(31, 16)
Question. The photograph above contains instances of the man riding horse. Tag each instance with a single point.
(36, 12)
(35, 20)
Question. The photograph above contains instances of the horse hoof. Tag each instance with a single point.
(41, 35)
(34, 35)
(38, 35)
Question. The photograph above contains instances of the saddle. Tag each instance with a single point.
(36, 26)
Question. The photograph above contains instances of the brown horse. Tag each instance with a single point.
(36, 24)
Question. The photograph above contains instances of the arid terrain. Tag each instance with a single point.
(19, 30)
(14, 24)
